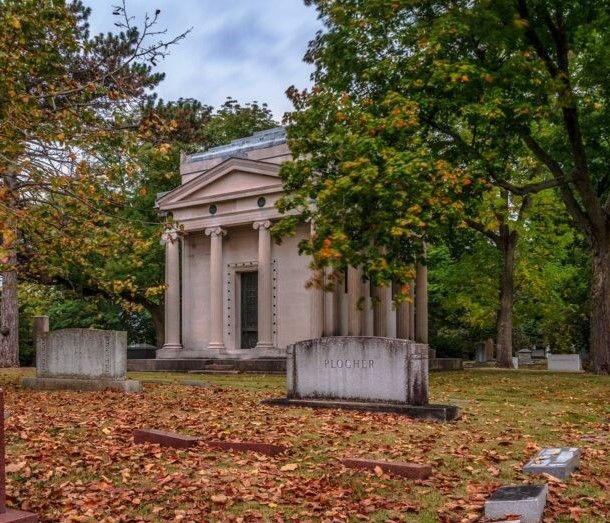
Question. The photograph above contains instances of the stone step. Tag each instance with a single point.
(214, 371)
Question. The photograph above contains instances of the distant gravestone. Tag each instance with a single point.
(538, 353)
(525, 356)
(525, 501)
(564, 363)
(558, 462)
(82, 359)
(515, 362)
(361, 373)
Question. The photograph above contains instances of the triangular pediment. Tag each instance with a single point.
(233, 177)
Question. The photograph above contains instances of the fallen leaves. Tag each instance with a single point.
(71, 456)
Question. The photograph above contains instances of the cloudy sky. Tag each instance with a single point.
(247, 49)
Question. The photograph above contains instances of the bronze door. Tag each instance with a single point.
(249, 309)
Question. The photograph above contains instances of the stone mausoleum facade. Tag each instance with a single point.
(232, 292)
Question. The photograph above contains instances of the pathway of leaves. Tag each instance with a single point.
(71, 456)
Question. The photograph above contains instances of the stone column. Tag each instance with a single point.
(216, 279)
(265, 287)
(384, 316)
(421, 303)
(354, 296)
(172, 289)
(412, 311)
(331, 305)
(368, 313)
(402, 317)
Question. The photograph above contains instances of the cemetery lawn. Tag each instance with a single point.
(71, 457)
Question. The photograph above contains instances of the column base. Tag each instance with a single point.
(264, 345)
(216, 345)
(173, 346)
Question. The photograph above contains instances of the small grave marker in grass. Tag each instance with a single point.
(407, 470)
(558, 462)
(525, 501)
(165, 439)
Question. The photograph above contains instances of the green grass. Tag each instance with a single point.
(80, 463)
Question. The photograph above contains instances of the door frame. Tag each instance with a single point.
(238, 302)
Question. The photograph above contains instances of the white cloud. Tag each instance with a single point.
(247, 49)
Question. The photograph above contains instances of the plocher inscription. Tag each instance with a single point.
(349, 364)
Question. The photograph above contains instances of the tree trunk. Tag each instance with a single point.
(157, 313)
(600, 311)
(504, 343)
(9, 315)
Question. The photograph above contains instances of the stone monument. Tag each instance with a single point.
(82, 359)
(8, 515)
(362, 373)
(564, 363)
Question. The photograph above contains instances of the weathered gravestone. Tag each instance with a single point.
(558, 462)
(525, 356)
(362, 373)
(525, 501)
(8, 515)
(82, 359)
(564, 363)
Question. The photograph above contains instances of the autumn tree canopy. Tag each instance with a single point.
(419, 107)
(66, 100)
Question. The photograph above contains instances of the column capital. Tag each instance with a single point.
(170, 236)
(263, 224)
(215, 231)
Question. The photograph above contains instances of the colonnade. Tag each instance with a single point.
(408, 320)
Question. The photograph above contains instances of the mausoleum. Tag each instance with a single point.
(232, 292)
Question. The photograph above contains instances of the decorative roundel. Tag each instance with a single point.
(261, 202)
(213, 209)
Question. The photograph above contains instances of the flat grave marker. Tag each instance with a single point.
(558, 462)
(406, 470)
(165, 439)
(525, 501)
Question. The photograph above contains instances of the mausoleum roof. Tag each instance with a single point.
(238, 148)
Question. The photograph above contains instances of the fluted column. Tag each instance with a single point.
(332, 310)
(354, 296)
(171, 241)
(402, 316)
(265, 288)
(384, 322)
(421, 303)
(216, 307)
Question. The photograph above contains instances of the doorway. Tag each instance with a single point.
(249, 309)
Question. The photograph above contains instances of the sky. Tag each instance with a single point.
(246, 49)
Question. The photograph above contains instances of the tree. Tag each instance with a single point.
(131, 273)
(64, 96)
(470, 86)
